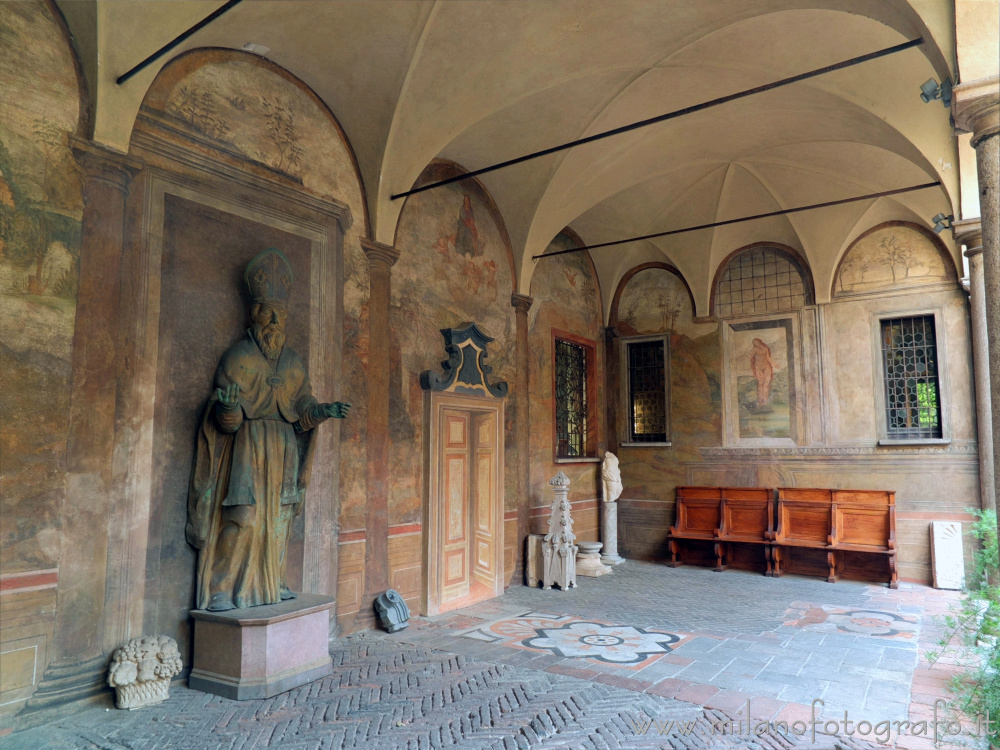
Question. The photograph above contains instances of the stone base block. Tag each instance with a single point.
(258, 652)
(534, 567)
(612, 560)
(588, 561)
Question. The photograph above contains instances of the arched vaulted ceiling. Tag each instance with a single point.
(479, 82)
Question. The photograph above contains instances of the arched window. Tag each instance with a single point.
(759, 280)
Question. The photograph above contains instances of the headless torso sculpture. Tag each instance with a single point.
(250, 475)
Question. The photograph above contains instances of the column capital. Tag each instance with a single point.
(521, 302)
(969, 232)
(975, 107)
(101, 163)
(380, 256)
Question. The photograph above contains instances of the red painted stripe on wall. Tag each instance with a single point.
(32, 580)
(510, 515)
(351, 536)
(404, 528)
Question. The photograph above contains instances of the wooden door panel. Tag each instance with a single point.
(455, 578)
(484, 533)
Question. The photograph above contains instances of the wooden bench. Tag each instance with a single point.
(698, 515)
(820, 531)
(724, 518)
(747, 526)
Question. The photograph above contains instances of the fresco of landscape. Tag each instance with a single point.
(890, 256)
(41, 207)
(567, 298)
(454, 267)
(654, 301)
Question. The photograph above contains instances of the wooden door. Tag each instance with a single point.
(484, 534)
(455, 488)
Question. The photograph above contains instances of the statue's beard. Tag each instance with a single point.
(270, 339)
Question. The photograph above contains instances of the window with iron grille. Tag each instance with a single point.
(646, 391)
(571, 399)
(910, 373)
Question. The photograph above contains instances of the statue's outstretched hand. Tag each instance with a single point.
(228, 397)
(337, 410)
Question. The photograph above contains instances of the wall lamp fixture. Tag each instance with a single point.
(942, 222)
(931, 90)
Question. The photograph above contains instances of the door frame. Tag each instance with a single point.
(435, 402)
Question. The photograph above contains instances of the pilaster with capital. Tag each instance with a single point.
(381, 258)
(79, 640)
(522, 426)
(976, 109)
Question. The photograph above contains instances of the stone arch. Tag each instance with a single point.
(790, 253)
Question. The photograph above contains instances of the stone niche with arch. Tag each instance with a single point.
(231, 155)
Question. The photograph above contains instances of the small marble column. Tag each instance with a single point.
(609, 533)
(969, 233)
(522, 428)
(976, 109)
(380, 261)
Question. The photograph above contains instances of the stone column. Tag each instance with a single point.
(522, 428)
(609, 534)
(969, 233)
(380, 261)
(976, 109)
(77, 668)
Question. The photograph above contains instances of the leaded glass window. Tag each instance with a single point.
(912, 395)
(647, 391)
(761, 279)
(571, 400)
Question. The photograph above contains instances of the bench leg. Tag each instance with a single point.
(767, 558)
(719, 566)
(674, 550)
(831, 560)
(893, 578)
(776, 572)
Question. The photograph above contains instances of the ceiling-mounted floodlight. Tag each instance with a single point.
(942, 222)
(931, 90)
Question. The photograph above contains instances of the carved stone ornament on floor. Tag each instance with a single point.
(392, 611)
(558, 550)
(141, 670)
(588, 561)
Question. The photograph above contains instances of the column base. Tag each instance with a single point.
(69, 682)
(612, 559)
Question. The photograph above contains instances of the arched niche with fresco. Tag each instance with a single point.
(893, 255)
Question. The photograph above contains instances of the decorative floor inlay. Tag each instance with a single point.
(868, 622)
(572, 637)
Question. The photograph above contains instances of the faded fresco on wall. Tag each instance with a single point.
(891, 256)
(248, 108)
(454, 267)
(566, 298)
(653, 301)
(41, 206)
(760, 368)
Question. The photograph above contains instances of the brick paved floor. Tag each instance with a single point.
(608, 664)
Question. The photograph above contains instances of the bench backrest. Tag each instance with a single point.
(864, 518)
(698, 511)
(747, 514)
(804, 515)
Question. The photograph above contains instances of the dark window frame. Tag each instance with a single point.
(589, 431)
(628, 435)
(911, 378)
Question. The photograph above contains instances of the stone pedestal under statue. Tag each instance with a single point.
(258, 652)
